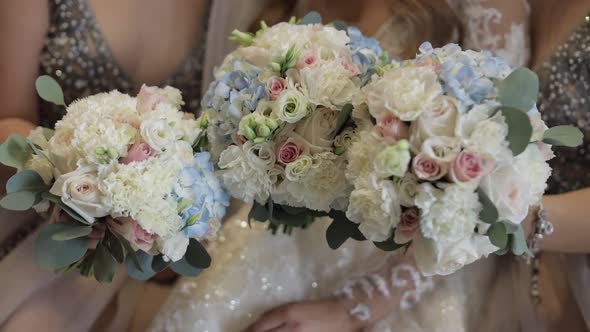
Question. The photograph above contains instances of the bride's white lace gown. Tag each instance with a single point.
(254, 271)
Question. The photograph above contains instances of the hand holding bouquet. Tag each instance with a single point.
(121, 179)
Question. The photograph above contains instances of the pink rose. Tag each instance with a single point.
(130, 229)
(95, 235)
(389, 126)
(139, 151)
(428, 169)
(346, 62)
(407, 227)
(469, 167)
(289, 152)
(275, 85)
(309, 59)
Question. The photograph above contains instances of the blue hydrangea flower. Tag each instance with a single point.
(202, 199)
(359, 41)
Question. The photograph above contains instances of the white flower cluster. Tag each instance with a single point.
(116, 157)
(279, 112)
(438, 140)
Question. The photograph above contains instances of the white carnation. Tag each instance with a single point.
(406, 92)
(173, 247)
(535, 170)
(489, 138)
(280, 37)
(376, 209)
(329, 85)
(361, 156)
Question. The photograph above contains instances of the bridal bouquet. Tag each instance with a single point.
(449, 157)
(119, 176)
(278, 113)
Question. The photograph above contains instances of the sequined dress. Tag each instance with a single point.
(76, 53)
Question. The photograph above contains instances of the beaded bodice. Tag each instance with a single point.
(76, 54)
(565, 100)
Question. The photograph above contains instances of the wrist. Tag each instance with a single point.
(357, 314)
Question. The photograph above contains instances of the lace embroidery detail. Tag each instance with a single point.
(486, 28)
(361, 312)
(403, 276)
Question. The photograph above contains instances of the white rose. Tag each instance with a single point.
(441, 149)
(174, 247)
(158, 134)
(41, 166)
(393, 160)
(508, 189)
(376, 209)
(329, 85)
(319, 128)
(79, 190)
(437, 121)
(61, 152)
(291, 106)
(406, 92)
(435, 258)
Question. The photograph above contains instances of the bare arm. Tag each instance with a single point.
(23, 25)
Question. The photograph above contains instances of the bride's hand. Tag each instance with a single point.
(310, 316)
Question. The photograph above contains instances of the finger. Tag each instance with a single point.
(270, 320)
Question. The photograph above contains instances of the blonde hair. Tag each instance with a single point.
(427, 20)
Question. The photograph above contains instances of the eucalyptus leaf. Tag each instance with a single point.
(38, 151)
(258, 213)
(26, 180)
(115, 247)
(72, 231)
(104, 264)
(520, 129)
(197, 256)
(489, 213)
(510, 227)
(311, 18)
(159, 264)
(15, 152)
(51, 254)
(519, 90)
(388, 245)
(343, 117)
(340, 230)
(518, 242)
(569, 136)
(281, 217)
(49, 90)
(340, 25)
(131, 255)
(20, 201)
(498, 235)
(183, 268)
(144, 260)
(57, 201)
(503, 251)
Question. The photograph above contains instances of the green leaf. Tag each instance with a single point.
(159, 264)
(311, 18)
(197, 256)
(57, 201)
(498, 235)
(15, 152)
(489, 213)
(510, 227)
(53, 255)
(340, 25)
(343, 117)
(104, 264)
(72, 231)
(569, 136)
(183, 268)
(519, 90)
(388, 245)
(518, 242)
(142, 268)
(341, 229)
(258, 213)
(281, 217)
(20, 201)
(519, 129)
(131, 255)
(26, 180)
(49, 90)
(115, 247)
(502, 252)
